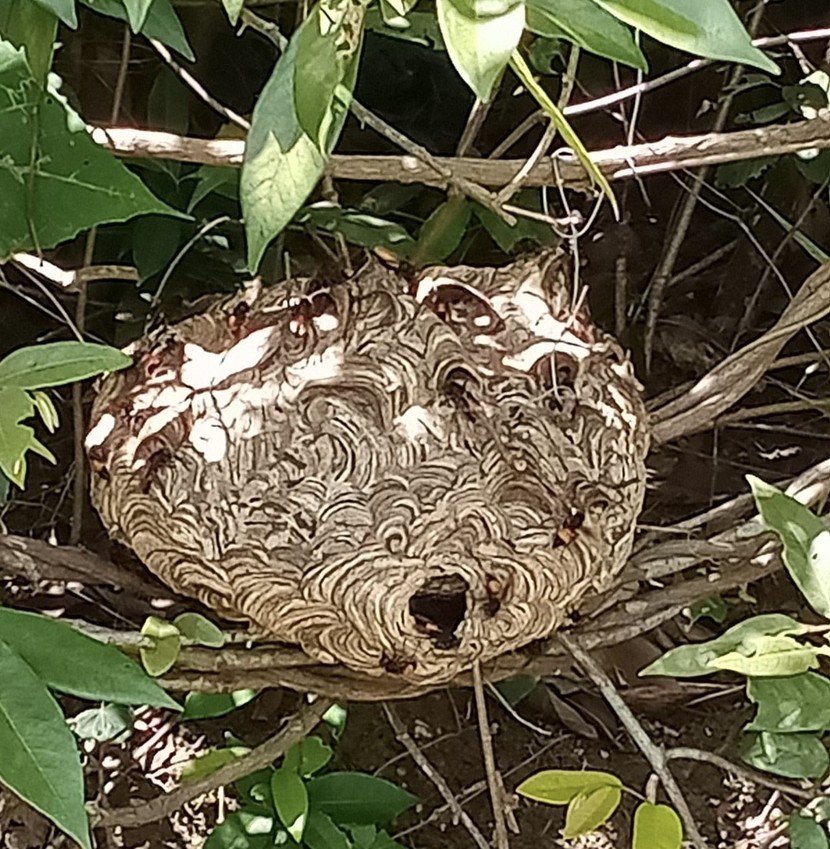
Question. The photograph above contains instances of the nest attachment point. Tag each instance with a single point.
(399, 475)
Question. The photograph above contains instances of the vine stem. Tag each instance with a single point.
(654, 754)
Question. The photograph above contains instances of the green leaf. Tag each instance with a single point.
(322, 833)
(480, 36)
(73, 663)
(57, 363)
(55, 181)
(353, 798)
(33, 27)
(16, 438)
(770, 656)
(4, 488)
(283, 162)
(560, 786)
(64, 10)
(585, 23)
(233, 9)
(211, 705)
(103, 723)
(208, 762)
(200, 630)
(710, 29)
(359, 228)
(799, 703)
(713, 607)
(806, 833)
(335, 717)
(517, 688)
(509, 236)
(242, 830)
(693, 660)
(442, 232)
(732, 175)
(318, 70)
(161, 23)
(656, 827)
(805, 541)
(788, 755)
(40, 761)
(45, 409)
(307, 757)
(290, 801)
(137, 11)
(164, 651)
(587, 811)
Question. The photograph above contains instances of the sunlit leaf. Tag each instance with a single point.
(588, 810)
(57, 363)
(103, 723)
(797, 703)
(656, 827)
(770, 656)
(560, 786)
(40, 760)
(290, 801)
(34, 27)
(200, 630)
(17, 438)
(164, 650)
(211, 705)
(805, 541)
(788, 755)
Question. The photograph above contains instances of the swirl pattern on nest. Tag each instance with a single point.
(399, 476)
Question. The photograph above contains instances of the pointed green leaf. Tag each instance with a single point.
(798, 703)
(211, 705)
(696, 659)
(480, 36)
(322, 833)
(29, 25)
(164, 651)
(103, 723)
(587, 811)
(200, 630)
(560, 786)
(656, 827)
(57, 363)
(788, 755)
(64, 10)
(307, 757)
(290, 801)
(353, 798)
(73, 663)
(805, 541)
(16, 438)
(711, 29)
(585, 23)
(40, 760)
(771, 657)
(137, 11)
(233, 9)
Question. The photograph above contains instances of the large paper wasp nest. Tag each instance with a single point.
(402, 476)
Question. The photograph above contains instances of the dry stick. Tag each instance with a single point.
(684, 217)
(494, 781)
(434, 776)
(78, 425)
(475, 120)
(262, 756)
(653, 753)
(687, 754)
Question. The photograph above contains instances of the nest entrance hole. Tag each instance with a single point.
(439, 607)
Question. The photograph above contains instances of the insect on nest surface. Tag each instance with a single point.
(400, 476)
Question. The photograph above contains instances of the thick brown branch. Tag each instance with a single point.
(672, 153)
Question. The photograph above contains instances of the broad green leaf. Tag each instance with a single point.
(322, 833)
(789, 755)
(57, 363)
(103, 723)
(15, 437)
(732, 175)
(33, 27)
(242, 830)
(805, 541)
(161, 23)
(711, 29)
(55, 181)
(442, 232)
(291, 801)
(589, 810)
(213, 178)
(558, 119)
(40, 760)
(560, 786)
(806, 832)
(770, 656)
(696, 659)
(164, 651)
(282, 162)
(307, 757)
(137, 11)
(509, 236)
(480, 36)
(211, 705)
(799, 703)
(585, 23)
(233, 8)
(364, 836)
(517, 688)
(360, 228)
(656, 827)
(62, 9)
(200, 630)
(353, 798)
(73, 663)
(208, 762)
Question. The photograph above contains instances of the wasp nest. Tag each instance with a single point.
(402, 476)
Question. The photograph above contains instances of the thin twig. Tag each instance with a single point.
(688, 754)
(654, 754)
(494, 781)
(266, 753)
(478, 113)
(434, 776)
